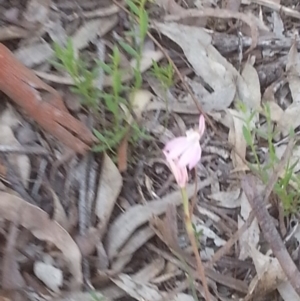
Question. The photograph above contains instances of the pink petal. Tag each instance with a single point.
(180, 173)
(201, 125)
(191, 156)
(176, 147)
(182, 178)
(196, 158)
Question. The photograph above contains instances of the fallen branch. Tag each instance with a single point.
(270, 232)
(258, 204)
(42, 103)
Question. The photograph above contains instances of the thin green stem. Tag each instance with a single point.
(190, 232)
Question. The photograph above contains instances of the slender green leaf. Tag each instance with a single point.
(247, 135)
(132, 7)
(131, 51)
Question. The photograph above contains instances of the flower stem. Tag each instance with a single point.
(190, 232)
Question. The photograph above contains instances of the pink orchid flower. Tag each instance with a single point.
(186, 151)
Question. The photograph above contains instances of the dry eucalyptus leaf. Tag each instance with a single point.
(251, 235)
(37, 221)
(248, 86)
(109, 187)
(144, 275)
(102, 260)
(295, 157)
(207, 232)
(56, 31)
(290, 117)
(21, 163)
(12, 32)
(143, 291)
(137, 240)
(269, 274)
(227, 199)
(88, 242)
(136, 289)
(151, 270)
(148, 56)
(162, 133)
(206, 61)
(10, 117)
(125, 225)
(91, 29)
(208, 101)
(287, 292)
(276, 111)
(34, 54)
(182, 297)
(51, 276)
(59, 214)
(82, 296)
(139, 100)
(293, 73)
(278, 27)
(36, 12)
(236, 138)
(11, 277)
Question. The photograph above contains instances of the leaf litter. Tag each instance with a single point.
(104, 219)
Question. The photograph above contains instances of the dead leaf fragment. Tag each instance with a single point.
(82, 296)
(227, 199)
(290, 117)
(51, 276)
(236, 138)
(206, 61)
(37, 221)
(91, 29)
(36, 13)
(20, 163)
(110, 184)
(137, 289)
(248, 86)
(251, 235)
(269, 273)
(34, 54)
(11, 276)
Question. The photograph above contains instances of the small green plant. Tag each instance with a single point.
(92, 98)
(165, 74)
(83, 78)
(288, 194)
(139, 16)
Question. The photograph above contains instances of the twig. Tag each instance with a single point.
(100, 12)
(270, 232)
(277, 7)
(23, 87)
(39, 180)
(28, 150)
